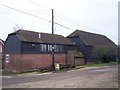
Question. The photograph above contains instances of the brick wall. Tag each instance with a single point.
(70, 58)
(14, 62)
(74, 61)
(79, 61)
(2, 56)
(28, 61)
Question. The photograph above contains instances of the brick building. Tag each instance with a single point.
(2, 54)
(29, 50)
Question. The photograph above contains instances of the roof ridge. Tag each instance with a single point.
(90, 32)
(36, 32)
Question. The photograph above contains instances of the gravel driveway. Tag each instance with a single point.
(91, 77)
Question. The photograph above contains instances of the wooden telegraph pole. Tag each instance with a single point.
(53, 63)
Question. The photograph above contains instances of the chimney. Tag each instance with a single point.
(39, 35)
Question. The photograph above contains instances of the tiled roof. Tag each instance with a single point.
(37, 37)
(91, 38)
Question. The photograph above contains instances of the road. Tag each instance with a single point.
(91, 77)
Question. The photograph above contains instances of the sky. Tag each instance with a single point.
(96, 16)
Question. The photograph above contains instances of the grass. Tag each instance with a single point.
(9, 73)
(100, 64)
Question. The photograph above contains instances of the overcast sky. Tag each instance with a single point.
(97, 16)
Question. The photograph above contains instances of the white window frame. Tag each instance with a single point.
(43, 47)
(56, 48)
(49, 48)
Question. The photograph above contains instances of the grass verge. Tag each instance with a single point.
(101, 64)
(9, 73)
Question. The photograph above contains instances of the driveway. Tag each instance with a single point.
(90, 77)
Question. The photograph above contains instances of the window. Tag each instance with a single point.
(43, 47)
(33, 45)
(56, 48)
(60, 48)
(30, 45)
(49, 48)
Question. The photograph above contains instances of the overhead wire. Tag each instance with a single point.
(73, 22)
(50, 14)
(39, 5)
(66, 19)
(24, 12)
(35, 16)
(63, 26)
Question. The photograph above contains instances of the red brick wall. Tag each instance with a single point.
(74, 61)
(27, 61)
(2, 56)
(70, 58)
(14, 62)
(79, 61)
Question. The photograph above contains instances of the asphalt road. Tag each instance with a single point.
(92, 77)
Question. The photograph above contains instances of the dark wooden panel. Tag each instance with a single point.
(12, 45)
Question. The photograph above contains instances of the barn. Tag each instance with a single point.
(95, 47)
(26, 49)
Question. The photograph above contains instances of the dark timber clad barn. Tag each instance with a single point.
(94, 46)
(27, 49)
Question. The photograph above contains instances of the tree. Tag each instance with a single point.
(17, 27)
(105, 53)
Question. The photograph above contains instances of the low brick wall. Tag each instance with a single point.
(19, 62)
(79, 61)
(70, 58)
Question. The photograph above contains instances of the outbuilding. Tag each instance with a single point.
(2, 62)
(95, 47)
(30, 50)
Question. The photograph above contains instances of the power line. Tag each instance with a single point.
(24, 12)
(63, 26)
(48, 9)
(30, 1)
(40, 6)
(35, 16)
(66, 19)
(69, 20)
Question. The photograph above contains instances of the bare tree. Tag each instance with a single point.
(17, 27)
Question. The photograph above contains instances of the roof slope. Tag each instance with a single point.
(91, 38)
(36, 37)
(1, 41)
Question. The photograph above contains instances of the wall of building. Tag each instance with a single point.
(70, 58)
(79, 61)
(12, 45)
(80, 45)
(20, 62)
(0, 55)
(3, 57)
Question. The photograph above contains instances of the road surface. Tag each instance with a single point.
(90, 77)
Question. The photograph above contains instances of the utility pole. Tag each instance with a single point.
(53, 63)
